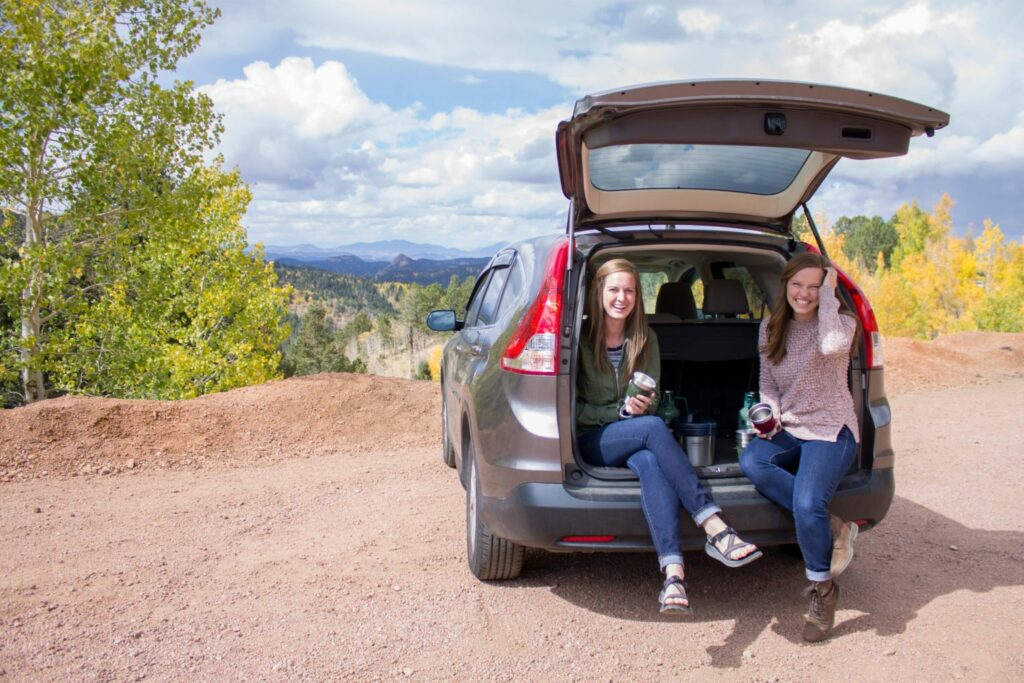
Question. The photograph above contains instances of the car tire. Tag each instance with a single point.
(447, 452)
(491, 558)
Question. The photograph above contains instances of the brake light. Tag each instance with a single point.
(868, 323)
(533, 348)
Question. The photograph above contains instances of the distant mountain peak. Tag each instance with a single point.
(401, 261)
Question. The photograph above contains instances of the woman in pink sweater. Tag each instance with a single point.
(805, 355)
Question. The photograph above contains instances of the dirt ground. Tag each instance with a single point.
(307, 530)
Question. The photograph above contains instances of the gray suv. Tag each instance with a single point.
(697, 183)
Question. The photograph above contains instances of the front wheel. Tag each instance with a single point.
(490, 557)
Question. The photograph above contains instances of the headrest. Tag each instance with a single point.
(725, 297)
(676, 298)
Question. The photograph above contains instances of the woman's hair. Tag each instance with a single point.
(636, 324)
(782, 312)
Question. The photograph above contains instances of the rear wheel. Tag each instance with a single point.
(447, 452)
(490, 557)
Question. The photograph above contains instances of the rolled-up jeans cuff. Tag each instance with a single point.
(672, 558)
(702, 515)
(818, 576)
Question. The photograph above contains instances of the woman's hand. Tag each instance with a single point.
(637, 405)
(830, 279)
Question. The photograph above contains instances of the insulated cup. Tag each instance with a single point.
(641, 384)
(761, 418)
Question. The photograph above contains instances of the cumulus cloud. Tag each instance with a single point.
(306, 131)
(329, 165)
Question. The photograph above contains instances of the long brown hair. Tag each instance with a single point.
(636, 324)
(782, 312)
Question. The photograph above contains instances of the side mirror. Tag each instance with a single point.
(443, 321)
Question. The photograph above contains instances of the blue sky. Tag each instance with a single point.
(434, 122)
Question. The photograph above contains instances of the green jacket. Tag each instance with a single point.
(599, 394)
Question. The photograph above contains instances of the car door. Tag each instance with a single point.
(472, 346)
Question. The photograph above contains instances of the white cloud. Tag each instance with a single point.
(698, 20)
(306, 131)
(328, 165)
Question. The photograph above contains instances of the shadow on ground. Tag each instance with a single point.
(916, 556)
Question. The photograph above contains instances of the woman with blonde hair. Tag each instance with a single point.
(805, 356)
(615, 430)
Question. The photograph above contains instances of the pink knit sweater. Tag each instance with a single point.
(809, 389)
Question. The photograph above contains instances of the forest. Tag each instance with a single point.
(922, 278)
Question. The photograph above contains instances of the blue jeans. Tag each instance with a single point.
(802, 476)
(667, 479)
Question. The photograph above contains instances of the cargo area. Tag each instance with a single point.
(705, 305)
(709, 365)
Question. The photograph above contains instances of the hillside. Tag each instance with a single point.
(402, 268)
(350, 294)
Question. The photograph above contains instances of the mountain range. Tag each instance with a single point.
(387, 261)
(384, 250)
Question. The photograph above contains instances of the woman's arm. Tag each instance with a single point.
(596, 402)
(835, 331)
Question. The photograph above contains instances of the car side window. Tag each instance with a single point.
(477, 298)
(489, 305)
(513, 288)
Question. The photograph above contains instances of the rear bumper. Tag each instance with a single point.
(542, 515)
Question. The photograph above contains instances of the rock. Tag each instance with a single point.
(130, 464)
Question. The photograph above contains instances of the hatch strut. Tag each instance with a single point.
(570, 230)
(814, 229)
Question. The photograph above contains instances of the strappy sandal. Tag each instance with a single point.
(675, 596)
(736, 543)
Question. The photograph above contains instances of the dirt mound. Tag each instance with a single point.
(339, 413)
(953, 360)
(298, 417)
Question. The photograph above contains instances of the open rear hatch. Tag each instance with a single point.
(732, 153)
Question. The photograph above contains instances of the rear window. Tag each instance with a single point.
(753, 170)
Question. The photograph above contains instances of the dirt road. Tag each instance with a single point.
(351, 565)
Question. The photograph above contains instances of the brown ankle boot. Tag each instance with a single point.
(843, 534)
(822, 614)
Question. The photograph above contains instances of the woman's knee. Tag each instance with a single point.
(642, 460)
(809, 504)
(652, 424)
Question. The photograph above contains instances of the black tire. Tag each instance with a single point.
(491, 558)
(447, 452)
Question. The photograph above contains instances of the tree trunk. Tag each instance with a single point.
(31, 326)
(412, 356)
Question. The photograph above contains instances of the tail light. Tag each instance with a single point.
(533, 348)
(868, 323)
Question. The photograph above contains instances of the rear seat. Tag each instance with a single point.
(720, 335)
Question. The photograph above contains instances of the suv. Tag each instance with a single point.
(696, 183)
